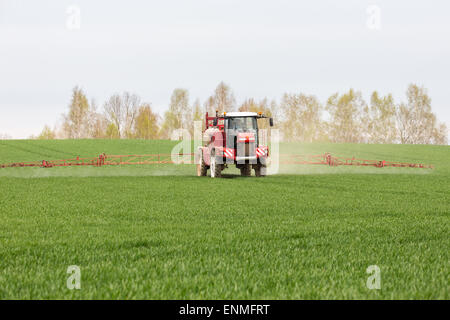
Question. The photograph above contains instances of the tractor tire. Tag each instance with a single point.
(260, 171)
(216, 169)
(246, 170)
(202, 169)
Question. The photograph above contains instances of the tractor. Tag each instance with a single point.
(232, 139)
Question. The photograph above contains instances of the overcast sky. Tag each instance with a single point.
(260, 48)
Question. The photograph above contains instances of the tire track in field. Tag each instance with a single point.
(31, 151)
(56, 151)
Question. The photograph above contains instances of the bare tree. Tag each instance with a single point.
(122, 112)
(97, 122)
(114, 112)
(275, 112)
(131, 103)
(209, 105)
(440, 134)
(222, 100)
(404, 118)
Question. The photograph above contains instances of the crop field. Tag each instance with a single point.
(160, 232)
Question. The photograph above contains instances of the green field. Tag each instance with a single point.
(160, 232)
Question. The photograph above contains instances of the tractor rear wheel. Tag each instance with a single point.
(216, 168)
(246, 170)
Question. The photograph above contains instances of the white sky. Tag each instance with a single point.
(261, 48)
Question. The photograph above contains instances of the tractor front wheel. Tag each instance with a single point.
(260, 170)
(246, 170)
(216, 168)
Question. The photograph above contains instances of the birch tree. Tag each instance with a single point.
(179, 115)
(417, 123)
(146, 124)
(302, 117)
(346, 110)
(75, 122)
(379, 119)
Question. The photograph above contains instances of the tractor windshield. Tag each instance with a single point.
(242, 124)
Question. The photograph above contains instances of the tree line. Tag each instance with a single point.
(343, 118)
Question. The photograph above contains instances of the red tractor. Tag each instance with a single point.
(232, 138)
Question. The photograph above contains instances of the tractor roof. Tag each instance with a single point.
(240, 114)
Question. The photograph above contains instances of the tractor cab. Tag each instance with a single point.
(241, 127)
(235, 125)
